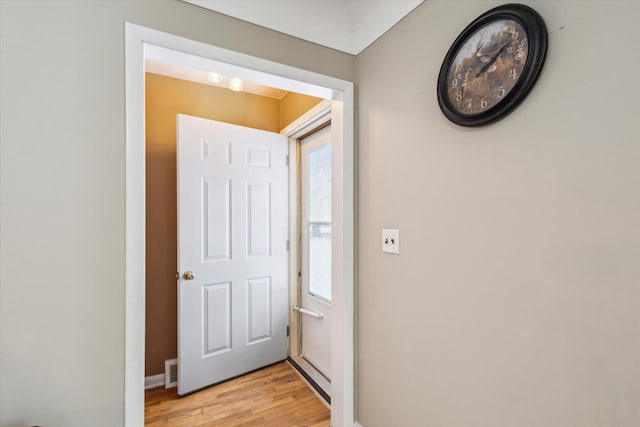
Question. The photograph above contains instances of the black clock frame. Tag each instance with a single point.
(536, 30)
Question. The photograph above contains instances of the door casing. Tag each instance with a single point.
(269, 73)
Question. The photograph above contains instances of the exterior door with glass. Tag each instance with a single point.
(315, 209)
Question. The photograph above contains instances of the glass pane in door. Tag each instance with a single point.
(320, 222)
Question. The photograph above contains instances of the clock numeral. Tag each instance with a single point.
(468, 101)
(501, 91)
(484, 103)
(513, 73)
(458, 67)
(454, 83)
(519, 53)
(459, 96)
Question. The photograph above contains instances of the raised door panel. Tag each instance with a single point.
(216, 300)
(216, 151)
(259, 219)
(259, 309)
(258, 157)
(216, 219)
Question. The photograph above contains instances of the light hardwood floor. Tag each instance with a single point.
(275, 396)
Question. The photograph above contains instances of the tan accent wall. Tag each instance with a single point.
(165, 98)
(292, 105)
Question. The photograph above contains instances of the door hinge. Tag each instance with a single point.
(287, 330)
(287, 160)
(287, 245)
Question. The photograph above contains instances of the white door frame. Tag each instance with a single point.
(260, 71)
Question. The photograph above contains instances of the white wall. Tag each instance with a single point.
(515, 301)
(62, 194)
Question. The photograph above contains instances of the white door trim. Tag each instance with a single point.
(260, 71)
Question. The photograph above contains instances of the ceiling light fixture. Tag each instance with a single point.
(214, 77)
(236, 84)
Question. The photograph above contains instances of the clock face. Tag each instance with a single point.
(492, 65)
(487, 66)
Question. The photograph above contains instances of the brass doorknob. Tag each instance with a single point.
(188, 275)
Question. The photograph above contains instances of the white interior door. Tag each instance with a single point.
(315, 181)
(232, 236)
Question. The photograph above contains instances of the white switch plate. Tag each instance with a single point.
(391, 240)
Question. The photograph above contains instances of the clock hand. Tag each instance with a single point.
(494, 59)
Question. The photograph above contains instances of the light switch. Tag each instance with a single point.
(391, 240)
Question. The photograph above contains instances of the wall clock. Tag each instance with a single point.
(492, 65)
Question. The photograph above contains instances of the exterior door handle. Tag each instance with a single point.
(308, 312)
(188, 275)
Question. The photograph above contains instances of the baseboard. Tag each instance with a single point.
(357, 424)
(153, 381)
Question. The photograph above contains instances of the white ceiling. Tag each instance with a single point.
(346, 25)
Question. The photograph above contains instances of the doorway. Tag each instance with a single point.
(272, 74)
(231, 169)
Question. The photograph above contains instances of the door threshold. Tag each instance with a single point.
(312, 382)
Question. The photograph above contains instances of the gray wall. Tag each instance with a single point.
(515, 301)
(62, 194)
